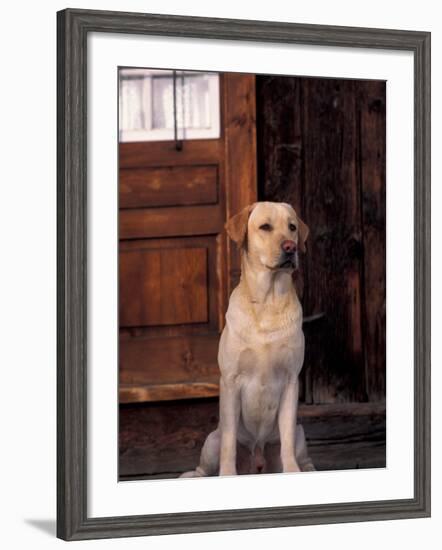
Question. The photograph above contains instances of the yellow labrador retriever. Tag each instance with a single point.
(261, 350)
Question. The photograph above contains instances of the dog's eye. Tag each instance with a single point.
(292, 227)
(266, 227)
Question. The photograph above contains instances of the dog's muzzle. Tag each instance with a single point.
(289, 260)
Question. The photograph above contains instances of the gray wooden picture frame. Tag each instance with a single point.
(73, 27)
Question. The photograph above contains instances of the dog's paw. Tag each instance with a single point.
(291, 467)
(308, 467)
(227, 471)
(199, 472)
(192, 473)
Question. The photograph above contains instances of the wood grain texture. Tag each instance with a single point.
(170, 222)
(160, 360)
(206, 242)
(163, 287)
(72, 520)
(193, 389)
(168, 186)
(71, 277)
(152, 154)
(372, 109)
(331, 198)
(240, 142)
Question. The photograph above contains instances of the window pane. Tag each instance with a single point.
(131, 104)
(192, 102)
(148, 107)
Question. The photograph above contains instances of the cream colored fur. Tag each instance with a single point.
(261, 350)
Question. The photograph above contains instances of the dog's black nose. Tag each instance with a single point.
(288, 246)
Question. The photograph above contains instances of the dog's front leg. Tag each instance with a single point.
(287, 423)
(229, 416)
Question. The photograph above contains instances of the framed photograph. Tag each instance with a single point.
(243, 274)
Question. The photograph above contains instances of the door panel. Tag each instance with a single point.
(169, 367)
(163, 287)
(171, 222)
(175, 266)
(172, 259)
(168, 186)
(164, 153)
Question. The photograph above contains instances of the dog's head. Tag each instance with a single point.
(271, 233)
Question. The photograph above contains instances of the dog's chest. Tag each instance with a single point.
(269, 362)
(264, 374)
(263, 346)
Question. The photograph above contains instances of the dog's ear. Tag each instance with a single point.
(236, 226)
(303, 234)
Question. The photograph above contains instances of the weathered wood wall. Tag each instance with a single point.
(321, 147)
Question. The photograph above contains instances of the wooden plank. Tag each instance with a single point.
(342, 409)
(279, 139)
(163, 287)
(168, 186)
(240, 148)
(372, 100)
(334, 357)
(170, 222)
(165, 439)
(160, 360)
(164, 153)
(166, 392)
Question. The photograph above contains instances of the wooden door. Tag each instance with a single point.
(176, 266)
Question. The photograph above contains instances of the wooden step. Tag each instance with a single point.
(135, 393)
(162, 440)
